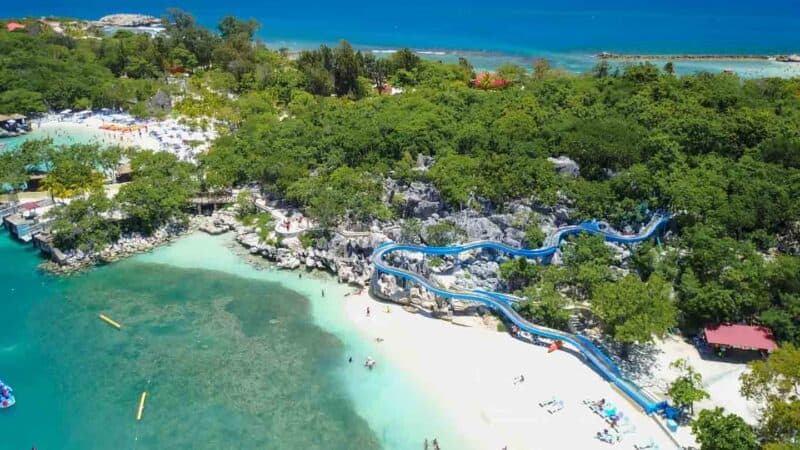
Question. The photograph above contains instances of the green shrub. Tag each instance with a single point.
(306, 239)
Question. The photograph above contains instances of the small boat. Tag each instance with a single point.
(7, 399)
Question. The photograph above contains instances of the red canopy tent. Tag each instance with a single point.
(747, 337)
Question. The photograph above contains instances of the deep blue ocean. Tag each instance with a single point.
(562, 31)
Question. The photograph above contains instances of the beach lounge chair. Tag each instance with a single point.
(592, 405)
(610, 437)
(650, 445)
(548, 402)
(556, 407)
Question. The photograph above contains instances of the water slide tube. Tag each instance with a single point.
(503, 302)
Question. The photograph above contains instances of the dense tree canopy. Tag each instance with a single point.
(634, 310)
(159, 192)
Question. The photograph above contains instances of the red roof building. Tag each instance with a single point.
(747, 337)
(486, 80)
(11, 26)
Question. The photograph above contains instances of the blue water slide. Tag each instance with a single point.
(502, 303)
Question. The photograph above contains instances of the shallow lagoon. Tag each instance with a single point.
(231, 356)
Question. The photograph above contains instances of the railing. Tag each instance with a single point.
(8, 210)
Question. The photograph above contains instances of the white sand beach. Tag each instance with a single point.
(168, 135)
(469, 369)
(105, 137)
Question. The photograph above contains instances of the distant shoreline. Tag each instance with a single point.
(701, 57)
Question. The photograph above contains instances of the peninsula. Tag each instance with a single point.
(792, 58)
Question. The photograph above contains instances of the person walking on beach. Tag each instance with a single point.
(323, 293)
(367, 311)
(426, 444)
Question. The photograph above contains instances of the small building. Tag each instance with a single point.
(123, 173)
(488, 81)
(22, 228)
(742, 337)
(13, 124)
(14, 26)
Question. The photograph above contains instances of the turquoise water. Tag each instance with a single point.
(566, 33)
(60, 136)
(231, 356)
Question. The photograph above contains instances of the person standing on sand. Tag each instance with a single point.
(367, 311)
(426, 444)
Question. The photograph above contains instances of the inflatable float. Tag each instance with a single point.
(7, 399)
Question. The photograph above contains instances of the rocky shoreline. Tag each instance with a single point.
(345, 253)
(129, 20)
(64, 263)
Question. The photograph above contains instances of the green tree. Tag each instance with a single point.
(545, 305)
(601, 69)
(404, 59)
(603, 145)
(83, 224)
(180, 56)
(344, 195)
(635, 311)
(72, 170)
(518, 273)
(541, 69)
(688, 387)
(775, 384)
(377, 69)
(230, 27)
(410, 230)
(511, 72)
(245, 204)
(587, 261)
(716, 430)
(13, 174)
(443, 234)
(70, 178)
(346, 69)
(534, 236)
(159, 192)
(22, 101)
